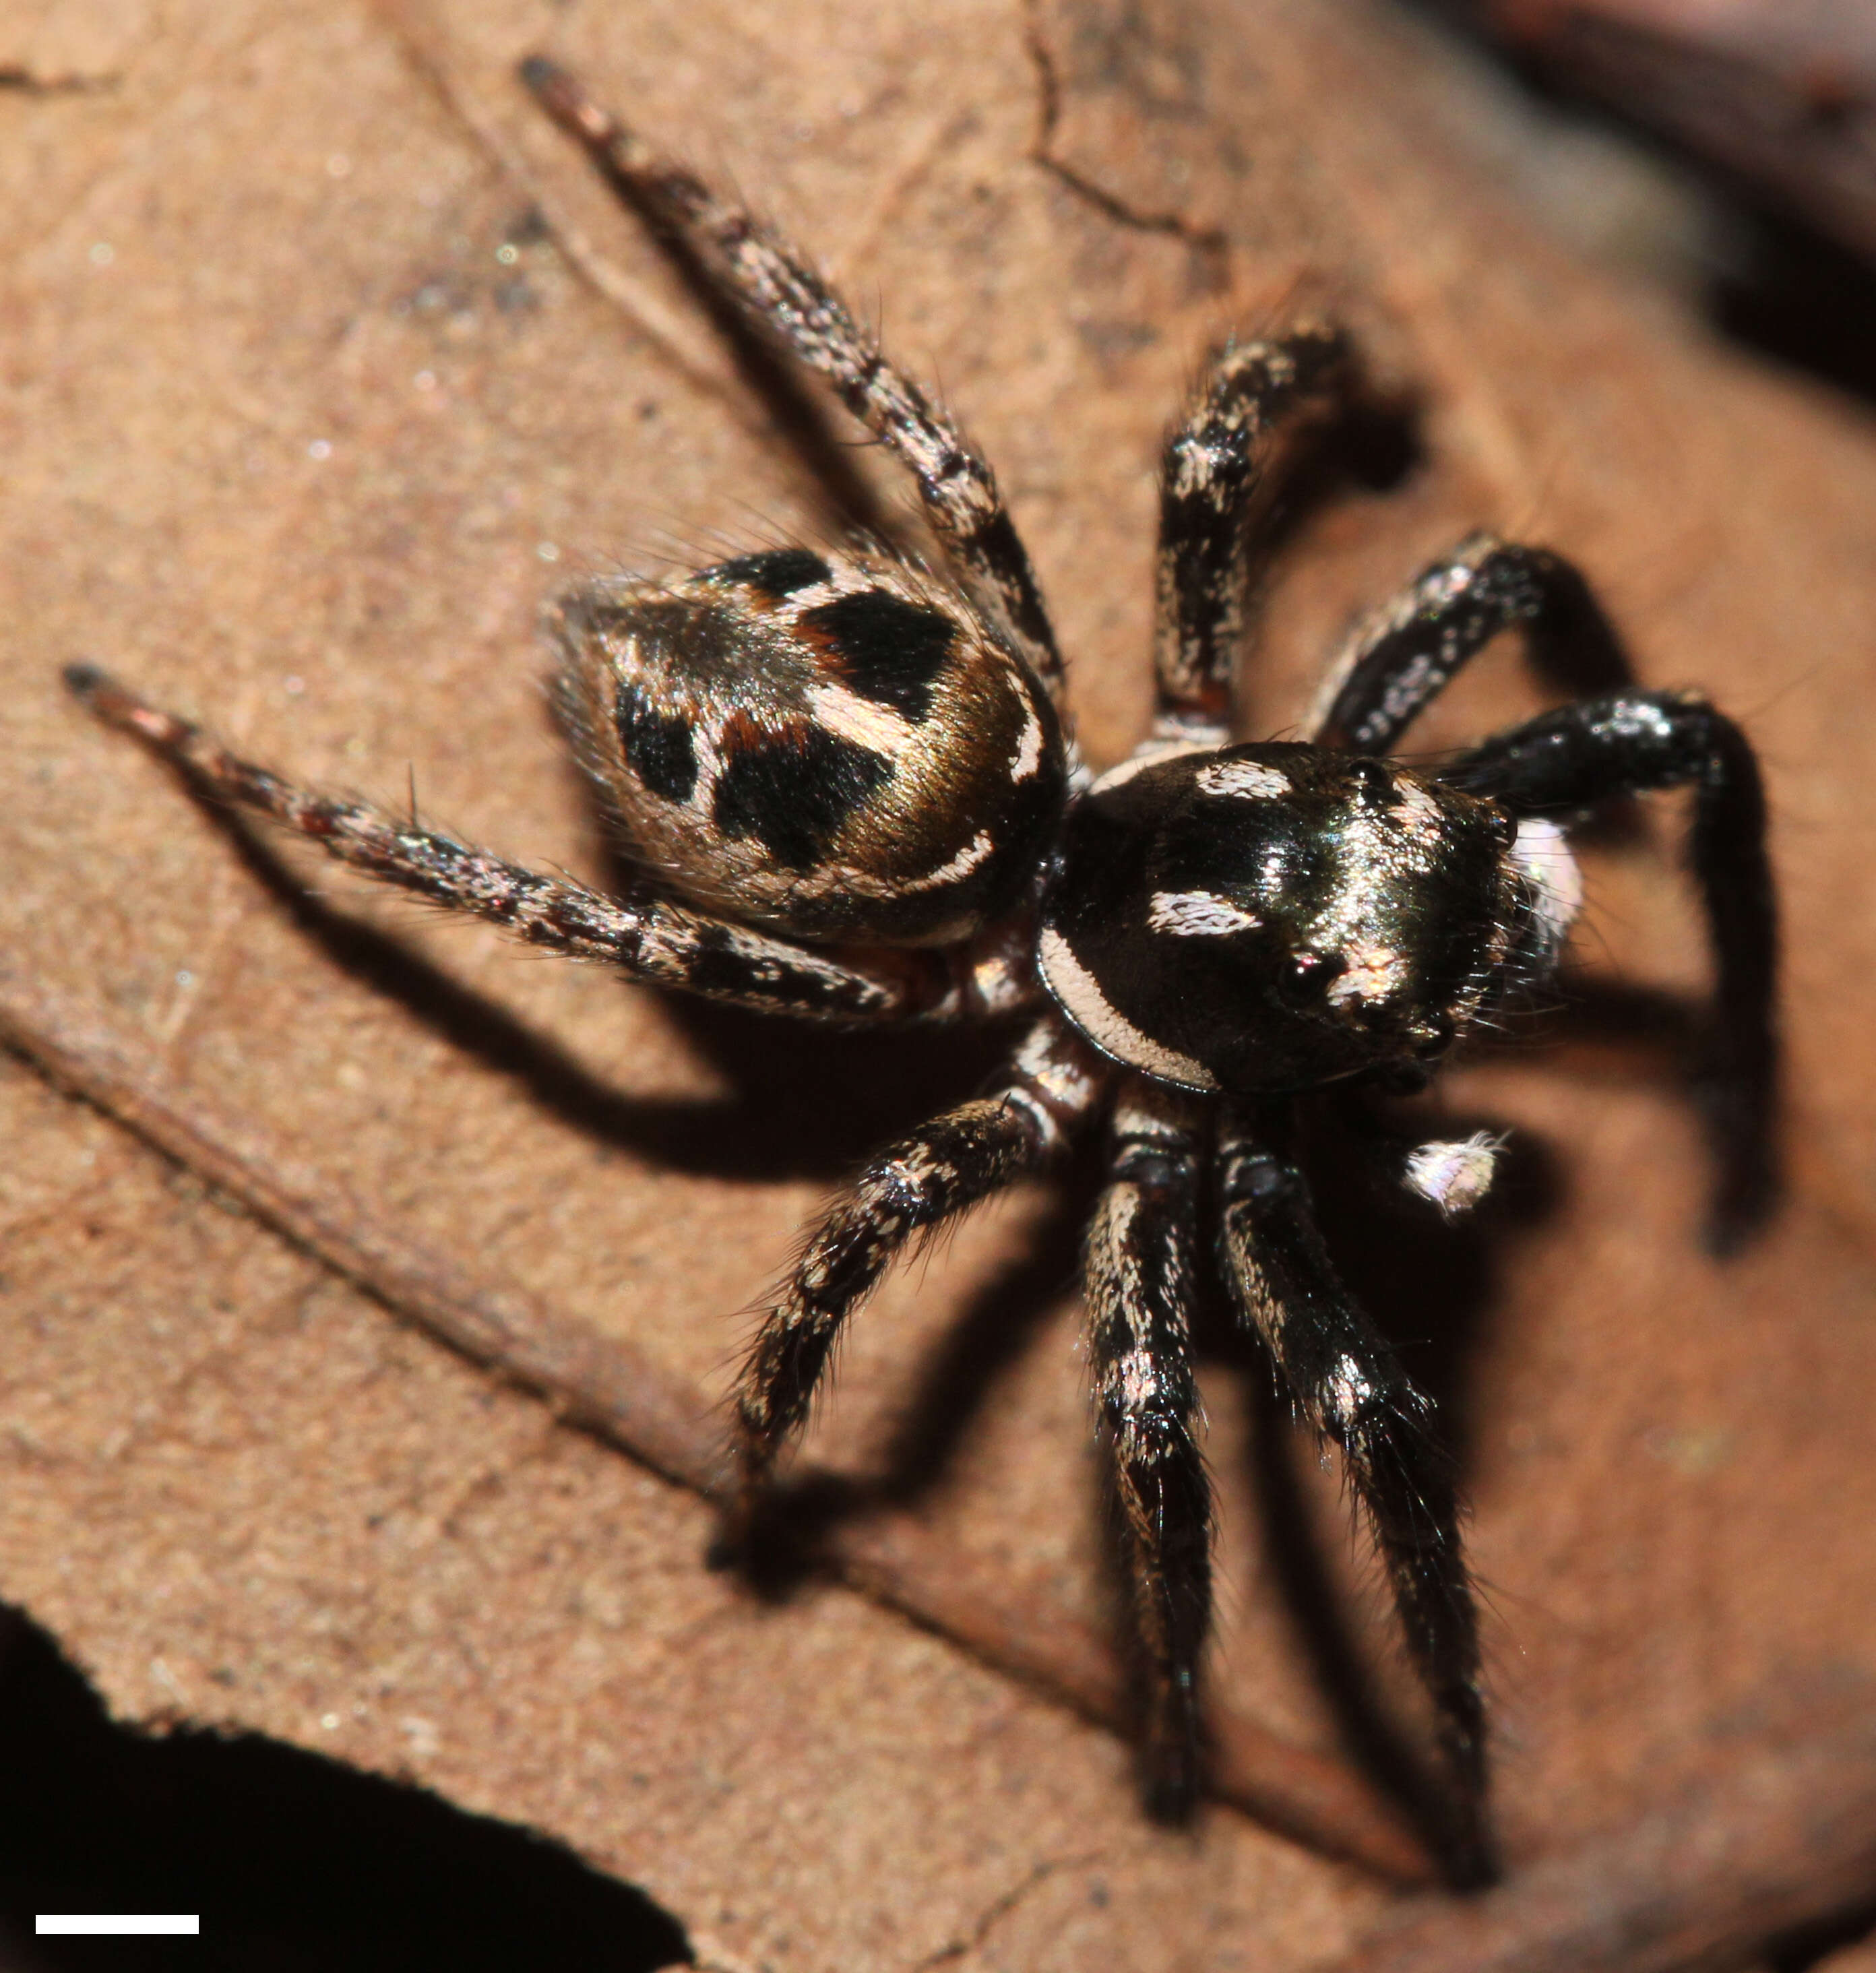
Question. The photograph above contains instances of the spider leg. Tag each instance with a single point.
(783, 296)
(1628, 742)
(1407, 651)
(1142, 1270)
(1216, 463)
(1345, 1379)
(648, 937)
(912, 1187)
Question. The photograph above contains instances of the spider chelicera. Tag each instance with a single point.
(850, 789)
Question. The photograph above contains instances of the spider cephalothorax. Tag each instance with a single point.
(847, 789)
(1271, 919)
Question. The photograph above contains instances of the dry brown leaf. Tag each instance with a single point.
(305, 415)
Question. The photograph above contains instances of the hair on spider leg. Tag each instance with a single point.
(779, 1544)
(1328, 1574)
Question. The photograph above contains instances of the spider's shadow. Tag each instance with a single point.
(811, 1109)
(805, 424)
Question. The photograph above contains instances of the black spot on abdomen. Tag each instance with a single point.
(775, 572)
(882, 647)
(658, 747)
(792, 790)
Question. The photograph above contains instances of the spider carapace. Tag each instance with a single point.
(848, 784)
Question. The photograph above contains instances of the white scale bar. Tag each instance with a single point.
(94, 1925)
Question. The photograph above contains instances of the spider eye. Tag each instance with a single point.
(1433, 1036)
(1305, 977)
(1370, 780)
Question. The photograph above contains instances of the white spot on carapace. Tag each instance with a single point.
(1454, 1173)
(1247, 779)
(1198, 914)
(1081, 1000)
(1542, 857)
(1372, 972)
(863, 721)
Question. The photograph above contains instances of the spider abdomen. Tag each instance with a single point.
(1266, 918)
(828, 746)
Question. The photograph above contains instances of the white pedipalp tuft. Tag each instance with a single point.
(1453, 1173)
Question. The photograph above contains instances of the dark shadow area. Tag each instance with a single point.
(1373, 444)
(815, 1102)
(804, 420)
(1799, 1951)
(292, 1861)
(809, 1102)
(950, 1387)
(1368, 445)
(1632, 1031)
(783, 1546)
(1429, 1283)
(1802, 300)
(1777, 286)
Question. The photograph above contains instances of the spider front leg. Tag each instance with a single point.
(782, 295)
(1141, 1276)
(1400, 658)
(1346, 1380)
(648, 937)
(1214, 467)
(1567, 761)
(912, 1188)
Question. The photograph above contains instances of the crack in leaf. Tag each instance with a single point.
(999, 1908)
(1209, 243)
(20, 80)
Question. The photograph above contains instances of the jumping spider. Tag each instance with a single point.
(849, 786)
